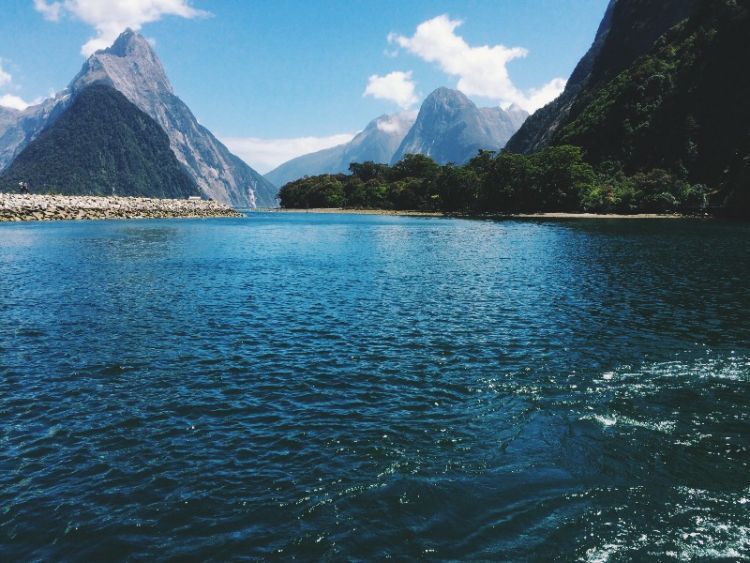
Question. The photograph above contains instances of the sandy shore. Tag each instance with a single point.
(479, 216)
(32, 207)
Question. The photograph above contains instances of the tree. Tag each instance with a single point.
(414, 166)
(369, 170)
(457, 188)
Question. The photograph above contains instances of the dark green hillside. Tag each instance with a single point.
(102, 145)
(683, 107)
(628, 31)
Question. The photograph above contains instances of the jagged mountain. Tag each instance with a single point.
(377, 143)
(451, 128)
(635, 26)
(102, 145)
(131, 66)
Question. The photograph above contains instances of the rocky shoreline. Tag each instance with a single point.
(546, 215)
(31, 207)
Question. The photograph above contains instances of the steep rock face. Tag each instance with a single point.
(517, 116)
(19, 128)
(377, 143)
(9, 120)
(8, 117)
(683, 107)
(131, 67)
(102, 145)
(451, 128)
(628, 30)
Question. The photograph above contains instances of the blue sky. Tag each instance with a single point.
(275, 77)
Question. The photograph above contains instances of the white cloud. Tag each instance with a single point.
(50, 12)
(481, 71)
(5, 77)
(266, 154)
(398, 123)
(396, 87)
(14, 102)
(539, 97)
(111, 17)
(10, 100)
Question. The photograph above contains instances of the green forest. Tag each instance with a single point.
(553, 179)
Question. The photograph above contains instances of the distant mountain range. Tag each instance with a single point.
(661, 90)
(377, 143)
(448, 128)
(131, 67)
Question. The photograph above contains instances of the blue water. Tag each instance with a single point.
(362, 387)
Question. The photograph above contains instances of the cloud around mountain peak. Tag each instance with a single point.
(481, 71)
(397, 87)
(111, 18)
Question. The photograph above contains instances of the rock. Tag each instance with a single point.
(14, 207)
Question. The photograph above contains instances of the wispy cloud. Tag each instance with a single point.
(16, 102)
(11, 100)
(398, 122)
(111, 17)
(5, 77)
(481, 71)
(395, 87)
(266, 154)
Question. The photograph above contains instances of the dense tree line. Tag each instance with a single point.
(554, 179)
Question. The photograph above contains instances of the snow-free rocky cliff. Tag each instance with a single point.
(451, 128)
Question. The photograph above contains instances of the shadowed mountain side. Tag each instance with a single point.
(132, 67)
(103, 145)
(628, 30)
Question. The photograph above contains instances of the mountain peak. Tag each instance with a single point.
(132, 68)
(130, 65)
(448, 95)
(129, 43)
(451, 128)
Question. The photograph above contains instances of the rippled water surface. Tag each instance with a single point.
(358, 387)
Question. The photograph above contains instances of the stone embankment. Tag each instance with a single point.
(14, 207)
